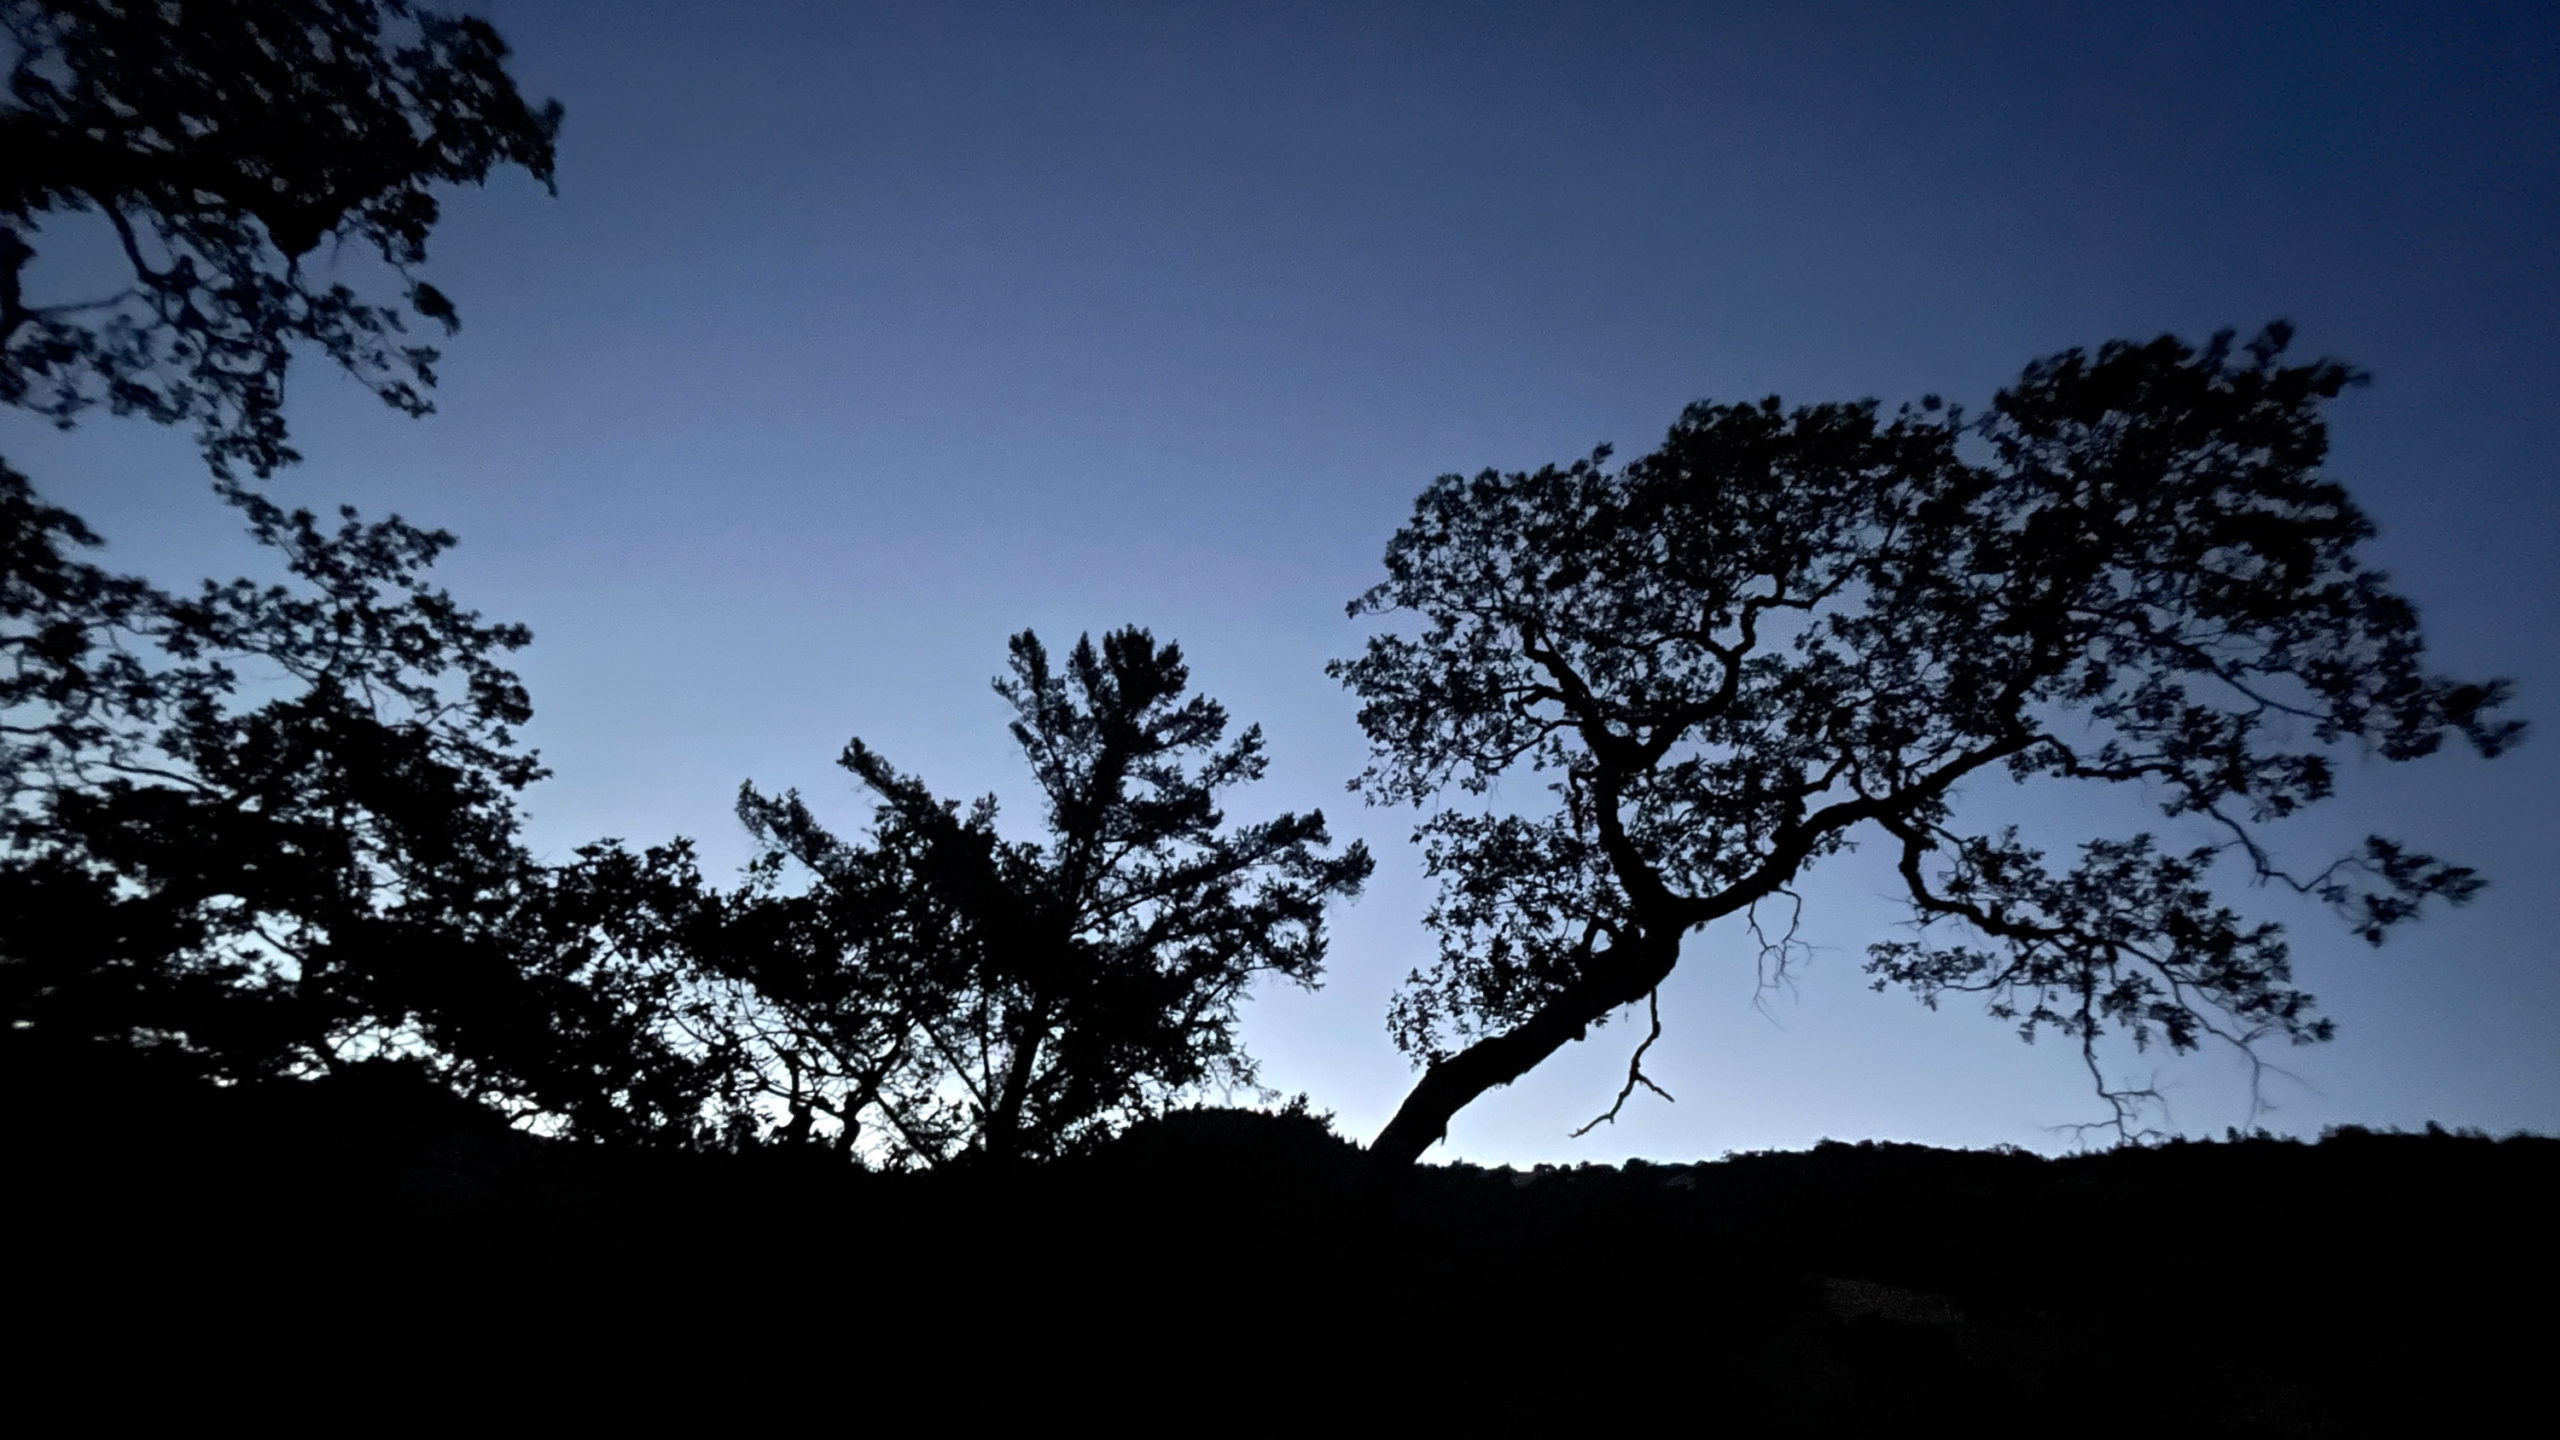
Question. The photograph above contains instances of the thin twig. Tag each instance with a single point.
(1635, 1068)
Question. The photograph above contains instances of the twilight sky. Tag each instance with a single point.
(861, 336)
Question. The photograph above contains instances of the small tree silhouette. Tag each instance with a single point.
(939, 990)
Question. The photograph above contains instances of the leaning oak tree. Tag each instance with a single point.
(222, 143)
(961, 994)
(1785, 631)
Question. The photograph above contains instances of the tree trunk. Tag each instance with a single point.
(1618, 977)
(1004, 1121)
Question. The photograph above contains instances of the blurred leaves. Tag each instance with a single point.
(223, 142)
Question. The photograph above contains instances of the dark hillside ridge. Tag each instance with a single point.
(293, 1248)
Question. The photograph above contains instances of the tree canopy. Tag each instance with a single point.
(222, 142)
(269, 833)
(268, 830)
(958, 993)
(265, 830)
(1786, 630)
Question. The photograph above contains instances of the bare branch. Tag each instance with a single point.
(1635, 1069)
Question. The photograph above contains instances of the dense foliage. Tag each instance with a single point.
(957, 992)
(222, 142)
(268, 830)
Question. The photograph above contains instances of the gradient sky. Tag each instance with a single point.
(860, 337)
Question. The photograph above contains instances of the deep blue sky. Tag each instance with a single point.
(860, 337)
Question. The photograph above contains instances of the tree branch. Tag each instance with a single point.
(1635, 1069)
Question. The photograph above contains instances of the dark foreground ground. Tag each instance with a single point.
(368, 1258)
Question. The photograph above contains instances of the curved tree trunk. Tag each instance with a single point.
(1619, 977)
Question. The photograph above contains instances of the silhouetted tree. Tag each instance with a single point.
(1785, 629)
(959, 993)
(282, 795)
(586, 1006)
(221, 142)
(269, 831)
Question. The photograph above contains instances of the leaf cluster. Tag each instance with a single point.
(241, 823)
(222, 142)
